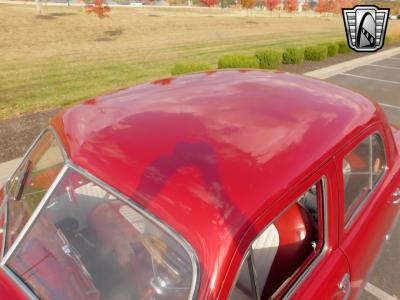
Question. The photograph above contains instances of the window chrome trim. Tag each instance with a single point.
(383, 176)
(5, 223)
(323, 179)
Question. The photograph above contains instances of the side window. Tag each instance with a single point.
(362, 169)
(245, 287)
(30, 183)
(284, 249)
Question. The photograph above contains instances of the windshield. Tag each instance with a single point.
(89, 244)
(30, 182)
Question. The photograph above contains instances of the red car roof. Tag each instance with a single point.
(206, 153)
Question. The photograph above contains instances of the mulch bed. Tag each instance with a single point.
(17, 134)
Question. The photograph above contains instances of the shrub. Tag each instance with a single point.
(343, 47)
(269, 58)
(238, 61)
(316, 53)
(189, 67)
(293, 56)
(333, 48)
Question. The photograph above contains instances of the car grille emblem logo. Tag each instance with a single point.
(366, 27)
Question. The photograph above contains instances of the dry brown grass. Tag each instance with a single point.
(67, 55)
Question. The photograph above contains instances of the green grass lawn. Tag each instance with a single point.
(66, 56)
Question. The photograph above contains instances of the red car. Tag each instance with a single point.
(219, 185)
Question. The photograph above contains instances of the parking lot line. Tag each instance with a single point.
(394, 58)
(391, 106)
(385, 67)
(378, 293)
(370, 78)
(352, 64)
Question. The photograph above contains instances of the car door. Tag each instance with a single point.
(322, 273)
(330, 279)
(366, 184)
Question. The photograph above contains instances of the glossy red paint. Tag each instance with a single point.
(376, 215)
(209, 153)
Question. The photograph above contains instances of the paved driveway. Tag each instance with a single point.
(380, 81)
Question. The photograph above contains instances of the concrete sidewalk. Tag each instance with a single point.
(353, 64)
(7, 168)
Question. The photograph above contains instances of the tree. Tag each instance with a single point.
(99, 8)
(291, 5)
(346, 3)
(209, 3)
(323, 6)
(248, 4)
(271, 4)
(306, 5)
(333, 6)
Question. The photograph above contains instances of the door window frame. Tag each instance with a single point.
(323, 179)
(368, 133)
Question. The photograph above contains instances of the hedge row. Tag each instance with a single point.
(273, 58)
(269, 58)
(316, 53)
(189, 67)
(238, 61)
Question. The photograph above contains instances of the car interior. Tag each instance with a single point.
(109, 249)
(281, 250)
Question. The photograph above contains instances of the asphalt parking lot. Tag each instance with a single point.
(380, 80)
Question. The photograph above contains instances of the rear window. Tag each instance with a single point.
(88, 243)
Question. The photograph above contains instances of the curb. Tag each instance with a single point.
(352, 64)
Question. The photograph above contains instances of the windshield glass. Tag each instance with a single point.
(89, 244)
(30, 182)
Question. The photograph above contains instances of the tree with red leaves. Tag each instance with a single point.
(346, 3)
(291, 5)
(271, 4)
(332, 6)
(248, 4)
(209, 3)
(322, 6)
(99, 8)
